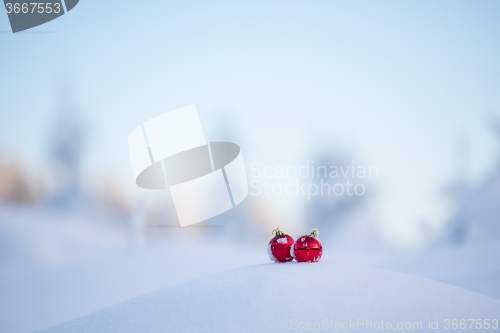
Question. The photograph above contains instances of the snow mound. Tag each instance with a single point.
(280, 297)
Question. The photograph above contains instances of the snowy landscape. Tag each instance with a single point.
(83, 262)
(376, 122)
(80, 259)
(90, 278)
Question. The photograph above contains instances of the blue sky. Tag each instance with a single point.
(392, 83)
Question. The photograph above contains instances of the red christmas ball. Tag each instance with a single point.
(307, 248)
(279, 247)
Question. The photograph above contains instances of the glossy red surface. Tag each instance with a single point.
(279, 248)
(307, 249)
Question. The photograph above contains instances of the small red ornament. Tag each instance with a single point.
(279, 247)
(307, 248)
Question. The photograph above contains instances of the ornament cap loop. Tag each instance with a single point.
(277, 232)
(314, 233)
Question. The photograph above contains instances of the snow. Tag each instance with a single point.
(271, 298)
(472, 267)
(54, 268)
(58, 267)
(270, 253)
(282, 240)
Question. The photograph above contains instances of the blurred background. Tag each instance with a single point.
(408, 87)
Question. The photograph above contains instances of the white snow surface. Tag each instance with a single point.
(282, 240)
(56, 267)
(267, 297)
(270, 253)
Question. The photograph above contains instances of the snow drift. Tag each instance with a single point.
(281, 297)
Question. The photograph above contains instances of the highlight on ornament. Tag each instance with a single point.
(306, 248)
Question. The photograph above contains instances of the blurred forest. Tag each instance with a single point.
(343, 220)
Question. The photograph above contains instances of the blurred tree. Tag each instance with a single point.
(330, 212)
(67, 141)
(15, 185)
(478, 216)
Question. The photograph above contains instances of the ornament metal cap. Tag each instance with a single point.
(314, 233)
(277, 232)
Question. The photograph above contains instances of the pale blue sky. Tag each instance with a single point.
(391, 82)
